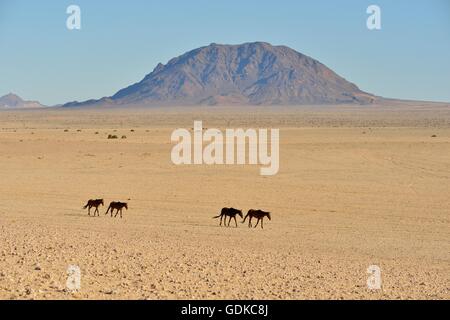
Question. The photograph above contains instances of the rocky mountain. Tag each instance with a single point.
(248, 74)
(13, 101)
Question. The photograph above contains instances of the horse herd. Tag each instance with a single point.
(232, 213)
(112, 206)
(224, 213)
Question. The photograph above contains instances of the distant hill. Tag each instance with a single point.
(247, 74)
(13, 101)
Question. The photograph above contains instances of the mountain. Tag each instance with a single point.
(249, 74)
(12, 101)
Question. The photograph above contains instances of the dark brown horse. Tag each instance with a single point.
(117, 206)
(229, 212)
(94, 204)
(257, 214)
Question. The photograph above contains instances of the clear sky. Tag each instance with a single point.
(122, 41)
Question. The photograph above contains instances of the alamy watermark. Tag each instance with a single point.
(73, 21)
(374, 280)
(229, 148)
(73, 282)
(374, 20)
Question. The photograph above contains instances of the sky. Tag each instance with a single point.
(121, 41)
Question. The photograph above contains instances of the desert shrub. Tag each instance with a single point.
(124, 137)
(112, 136)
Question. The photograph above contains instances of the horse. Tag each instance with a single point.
(229, 212)
(94, 204)
(257, 214)
(118, 206)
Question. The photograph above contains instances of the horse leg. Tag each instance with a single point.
(121, 213)
(229, 221)
(235, 221)
(257, 222)
(250, 222)
(89, 211)
(262, 220)
(221, 216)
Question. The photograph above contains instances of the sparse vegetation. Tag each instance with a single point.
(124, 137)
(112, 136)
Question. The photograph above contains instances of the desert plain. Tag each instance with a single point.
(357, 186)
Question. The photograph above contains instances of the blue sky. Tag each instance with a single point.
(122, 41)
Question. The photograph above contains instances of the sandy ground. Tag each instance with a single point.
(357, 186)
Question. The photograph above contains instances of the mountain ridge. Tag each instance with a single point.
(13, 101)
(254, 73)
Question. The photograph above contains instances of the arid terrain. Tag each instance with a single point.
(357, 186)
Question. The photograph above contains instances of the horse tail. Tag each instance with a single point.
(87, 205)
(245, 218)
(217, 216)
(108, 209)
